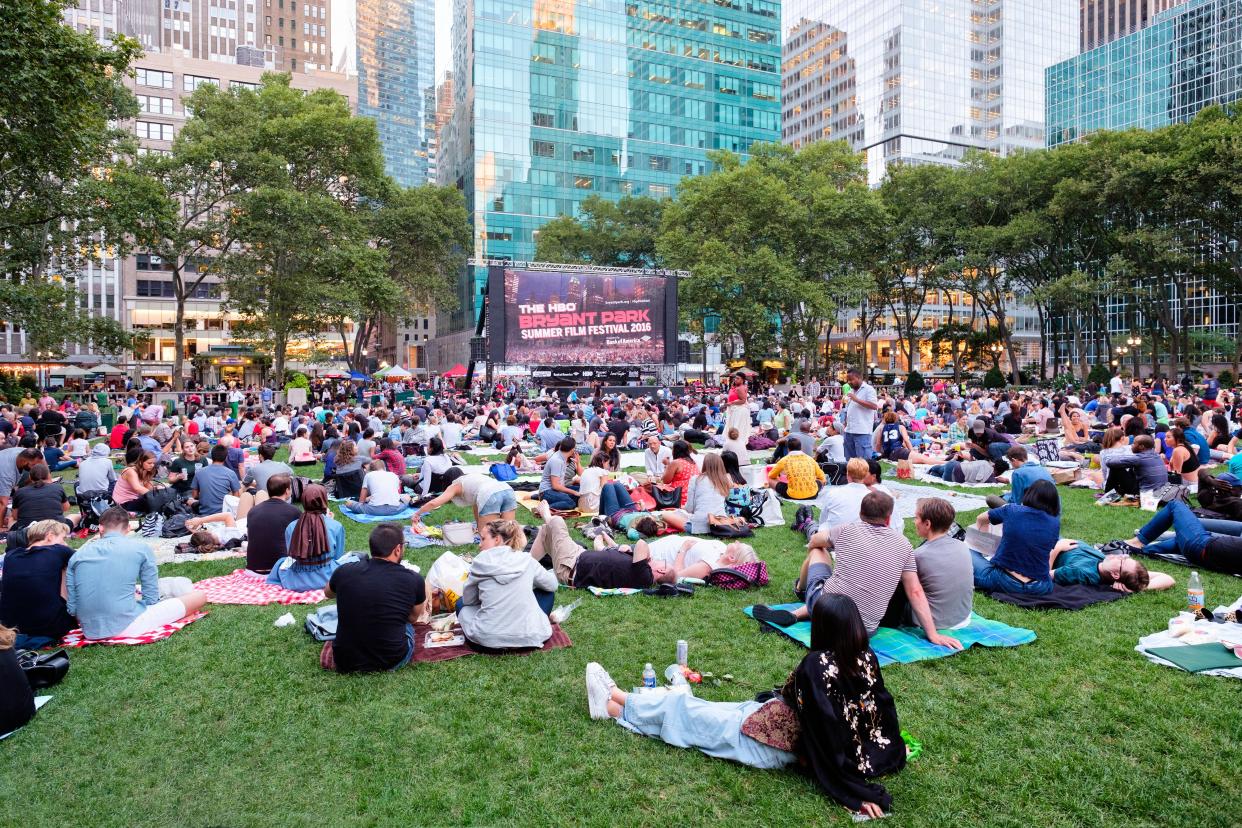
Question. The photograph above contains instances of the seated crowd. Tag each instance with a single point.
(683, 517)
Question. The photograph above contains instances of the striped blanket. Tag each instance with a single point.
(75, 638)
(907, 645)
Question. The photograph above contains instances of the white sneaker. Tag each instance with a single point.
(599, 690)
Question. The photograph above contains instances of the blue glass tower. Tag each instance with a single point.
(396, 64)
(558, 100)
(1188, 58)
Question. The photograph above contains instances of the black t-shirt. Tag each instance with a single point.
(373, 599)
(611, 569)
(30, 591)
(265, 533)
(190, 466)
(1118, 413)
(16, 697)
(619, 427)
(41, 503)
(51, 415)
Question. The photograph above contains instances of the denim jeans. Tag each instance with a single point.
(950, 472)
(409, 652)
(715, 728)
(991, 578)
(858, 445)
(375, 508)
(559, 500)
(1218, 526)
(613, 498)
(1189, 535)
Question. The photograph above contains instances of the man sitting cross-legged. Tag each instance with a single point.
(944, 567)
(872, 558)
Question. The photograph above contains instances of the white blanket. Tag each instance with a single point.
(1215, 631)
(907, 496)
(920, 474)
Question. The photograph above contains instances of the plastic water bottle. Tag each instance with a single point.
(649, 677)
(683, 652)
(1194, 593)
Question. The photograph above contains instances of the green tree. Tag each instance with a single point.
(774, 246)
(303, 225)
(61, 96)
(423, 233)
(994, 378)
(606, 233)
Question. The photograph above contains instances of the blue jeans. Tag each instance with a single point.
(65, 464)
(996, 451)
(559, 500)
(1189, 534)
(858, 445)
(375, 508)
(613, 497)
(715, 728)
(409, 651)
(991, 578)
(949, 472)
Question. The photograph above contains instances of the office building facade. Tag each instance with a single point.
(1188, 58)
(555, 101)
(1103, 21)
(916, 82)
(396, 66)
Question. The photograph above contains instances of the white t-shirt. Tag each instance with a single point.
(383, 488)
(840, 504)
(858, 418)
(300, 449)
(450, 433)
(591, 481)
(79, 447)
(655, 464)
(834, 444)
(477, 488)
(665, 548)
(738, 448)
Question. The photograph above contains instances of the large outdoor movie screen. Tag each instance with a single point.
(579, 318)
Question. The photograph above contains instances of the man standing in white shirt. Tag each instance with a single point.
(861, 405)
(656, 457)
(1116, 385)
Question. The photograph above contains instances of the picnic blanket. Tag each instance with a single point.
(906, 497)
(1075, 597)
(245, 587)
(601, 592)
(908, 644)
(1156, 646)
(920, 474)
(426, 655)
(359, 517)
(75, 638)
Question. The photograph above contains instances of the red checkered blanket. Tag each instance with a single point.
(243, 587)
(74, 638)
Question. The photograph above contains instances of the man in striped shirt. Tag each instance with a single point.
(872, 558)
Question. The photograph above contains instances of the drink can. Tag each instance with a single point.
(683, 653)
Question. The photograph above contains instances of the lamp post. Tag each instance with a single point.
(997, 349)
(1135, 343)
(871, 372)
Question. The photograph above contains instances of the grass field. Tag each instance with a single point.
(231, 722)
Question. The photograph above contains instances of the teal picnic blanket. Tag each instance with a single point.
(908, 644)
(359, 517)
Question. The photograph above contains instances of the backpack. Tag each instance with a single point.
(504, 471)
(758, 442)
(746, 503)
(174, 526)
(152, 525)
(740, 576)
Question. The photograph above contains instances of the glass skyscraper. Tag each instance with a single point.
(1188, 58)
(396, 65)
(557, 100)
(918, 81)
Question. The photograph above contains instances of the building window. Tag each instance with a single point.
(154, 131)
(542, 118)
(543, 149)
(659, 163)
(191, 82)
(584, 182)
(155, 78)
(244, 85)
(153, 105)
(584, 154)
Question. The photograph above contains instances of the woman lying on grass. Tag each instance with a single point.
(833, 715)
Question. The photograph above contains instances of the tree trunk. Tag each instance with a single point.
(1043, 347)
(178, 382)
(280, 345)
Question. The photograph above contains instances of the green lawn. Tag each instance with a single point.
(231, 722)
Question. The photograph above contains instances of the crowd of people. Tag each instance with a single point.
(679, 506)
